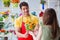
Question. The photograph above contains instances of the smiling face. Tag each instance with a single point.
(25, 10)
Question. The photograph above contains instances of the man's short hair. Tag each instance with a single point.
(23, 4)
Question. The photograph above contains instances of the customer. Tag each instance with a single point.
(50, 25)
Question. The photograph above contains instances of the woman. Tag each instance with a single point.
(50, 25)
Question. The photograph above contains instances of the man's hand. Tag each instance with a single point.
(26, 34)
(31, 33)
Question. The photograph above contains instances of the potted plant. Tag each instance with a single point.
(5, 14)
(6, 3)
(43, 2)
(1, 23)
(15, 3)
(13, 16)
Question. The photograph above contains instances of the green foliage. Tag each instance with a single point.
(5, 15)
(43, 2)
(1, 18)
(1, 25)
(6, 3)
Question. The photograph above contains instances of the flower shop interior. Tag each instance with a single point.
(9, 11)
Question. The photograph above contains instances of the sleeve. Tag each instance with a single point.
(18, 22)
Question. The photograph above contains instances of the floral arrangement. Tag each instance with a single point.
(5, 14)
(1, 25)
(12, 16)
(6, 3)
(2, 30)
(43, 2)
(15, 1)
(30, 25)
(1, 18)
(41, 14)
(34, 13)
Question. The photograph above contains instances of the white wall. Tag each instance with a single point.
(55, 4)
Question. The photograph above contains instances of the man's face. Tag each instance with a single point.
(25, 10)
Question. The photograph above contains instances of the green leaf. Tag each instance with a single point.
(1, 18)
(27, 26)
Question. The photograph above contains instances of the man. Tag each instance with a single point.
(21, 23)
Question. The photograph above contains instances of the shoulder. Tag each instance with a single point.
(19, 18)
(18, 21)
(34, 17)
(47, 27)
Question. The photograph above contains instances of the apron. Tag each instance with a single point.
(23, 30)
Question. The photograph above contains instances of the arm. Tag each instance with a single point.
(18, 28)
(36, 30)
(20, 34)
(39, 35)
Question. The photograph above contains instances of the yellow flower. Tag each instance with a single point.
(2, 13)
(30, 26)
(27, 21)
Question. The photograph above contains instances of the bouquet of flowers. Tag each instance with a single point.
(30, 25)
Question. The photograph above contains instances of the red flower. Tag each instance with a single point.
(41, 14)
